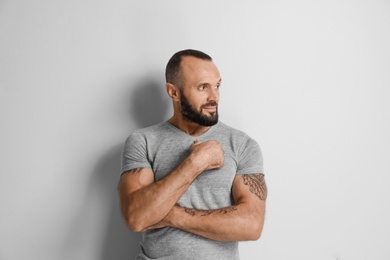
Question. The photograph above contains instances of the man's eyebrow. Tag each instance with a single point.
(209, 84)
(219, 82)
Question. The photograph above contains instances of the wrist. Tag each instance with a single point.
(177, 217)
(196, 163)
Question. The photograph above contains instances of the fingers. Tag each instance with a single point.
(209, 154)
(196, 142)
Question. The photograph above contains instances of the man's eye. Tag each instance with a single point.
(202, 87)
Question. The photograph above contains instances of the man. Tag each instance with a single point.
(194, 186)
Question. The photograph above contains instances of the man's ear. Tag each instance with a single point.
(173, 91)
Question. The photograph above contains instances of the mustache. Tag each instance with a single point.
(210, 104)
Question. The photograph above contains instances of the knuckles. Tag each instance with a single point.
(210, 152)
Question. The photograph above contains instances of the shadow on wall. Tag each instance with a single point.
(148, 106)
(118, 241)
(149, 103)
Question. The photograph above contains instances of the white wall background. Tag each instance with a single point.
(308, 79)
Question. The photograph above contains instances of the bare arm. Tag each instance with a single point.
(145, 202)
(240, 222)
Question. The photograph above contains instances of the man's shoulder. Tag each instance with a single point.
(226, 129)
(147, 134)
(151, 129)
(233, 136)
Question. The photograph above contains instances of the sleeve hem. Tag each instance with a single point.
(251, 170)
(133, 166)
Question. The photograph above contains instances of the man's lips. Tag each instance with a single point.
(210, 108)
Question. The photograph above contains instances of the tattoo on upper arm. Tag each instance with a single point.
(256, 184)
(202, 212)
(131, 172)
(134, 171)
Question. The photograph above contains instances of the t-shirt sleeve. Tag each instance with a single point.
(134, 154)
(250, 158)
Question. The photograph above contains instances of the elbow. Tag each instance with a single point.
(133, 221)
(249, 231)
(255, 235)
(134, 224)
(255, 226)
(254, 230)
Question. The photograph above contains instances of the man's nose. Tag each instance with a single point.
(213, 94)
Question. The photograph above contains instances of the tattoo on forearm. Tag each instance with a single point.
(256, 184)
(203, 213)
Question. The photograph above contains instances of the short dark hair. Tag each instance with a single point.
(172, 71)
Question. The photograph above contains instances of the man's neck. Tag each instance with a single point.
(187, 127)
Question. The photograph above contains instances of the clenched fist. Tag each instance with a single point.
(207, 155)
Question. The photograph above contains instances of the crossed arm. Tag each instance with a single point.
(147, 204)
(242, 221)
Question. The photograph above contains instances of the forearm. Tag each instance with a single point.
(236, 223)
(150, 204)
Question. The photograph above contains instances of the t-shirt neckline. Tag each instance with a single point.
(179, 131)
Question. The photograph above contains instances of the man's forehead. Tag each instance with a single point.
(190, 61)
(193, 66)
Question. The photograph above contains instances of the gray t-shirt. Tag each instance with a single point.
(162, 147)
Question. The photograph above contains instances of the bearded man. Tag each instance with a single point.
(192, 185)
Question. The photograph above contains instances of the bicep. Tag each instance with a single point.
(134, 180)
(249, 193)
(249, 188)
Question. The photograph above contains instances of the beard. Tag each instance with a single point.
(191, 115)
